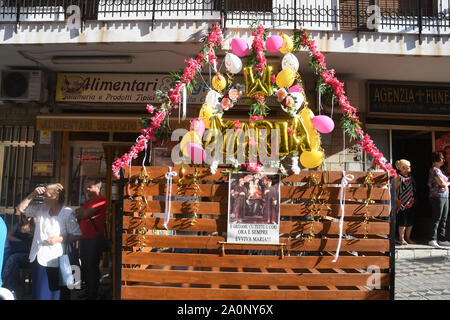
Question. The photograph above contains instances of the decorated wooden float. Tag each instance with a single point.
(246, 211)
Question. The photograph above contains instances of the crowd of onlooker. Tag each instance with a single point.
(438, 186)
(47, 230)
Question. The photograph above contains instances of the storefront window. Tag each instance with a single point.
(88, 161)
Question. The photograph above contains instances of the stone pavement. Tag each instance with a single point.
(422, 273)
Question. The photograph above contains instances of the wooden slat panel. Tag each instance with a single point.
(227, 261)
(212, 243)
(158, 293)
(286, 209)
(220, 225)
(218, 191)
(165, 283)
(251, 278)
(331, 177)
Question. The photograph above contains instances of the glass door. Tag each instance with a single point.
(87, 160)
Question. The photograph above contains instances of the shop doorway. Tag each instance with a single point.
(416, 146)
(87, 160)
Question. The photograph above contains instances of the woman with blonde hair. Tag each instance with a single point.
(405, 194)
(56, 225)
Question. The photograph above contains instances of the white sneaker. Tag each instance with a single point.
(444, 243)
(434, 243)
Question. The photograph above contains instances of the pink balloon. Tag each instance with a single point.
(198, 126)
(239, 47)
(295, 88)
(323, 124)
(274, 43)
(196, 152)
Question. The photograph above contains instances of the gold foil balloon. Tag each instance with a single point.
(206, 113)
(219, 82)
(299, 139)
(283, 137)
(262, 125)
(311, 159)
(306, 114)
(285, 78)
(237, 141)
(191, 136)
(288, 44)
(255, 85)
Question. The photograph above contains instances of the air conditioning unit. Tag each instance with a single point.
(20, 85)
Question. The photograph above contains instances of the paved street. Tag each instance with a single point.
(422, 273)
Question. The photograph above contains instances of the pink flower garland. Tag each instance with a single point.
(258, 49)
(171, 99)
(348, 111)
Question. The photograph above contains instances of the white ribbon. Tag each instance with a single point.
(184, 103)
(295, 168)
(344, 183)
(214, 166)
(168, 176)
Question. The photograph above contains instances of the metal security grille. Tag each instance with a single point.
(16, 163)
(396, 16)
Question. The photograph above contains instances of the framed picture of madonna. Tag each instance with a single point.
(254, 208)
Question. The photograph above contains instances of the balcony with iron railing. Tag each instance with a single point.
(386, 16)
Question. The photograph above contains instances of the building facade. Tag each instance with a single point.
(393, 56)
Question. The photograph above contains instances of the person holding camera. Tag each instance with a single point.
(92, 217)
(55, 225)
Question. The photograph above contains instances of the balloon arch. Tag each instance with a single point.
(299, 136)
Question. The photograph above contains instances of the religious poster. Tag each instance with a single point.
(254, 208)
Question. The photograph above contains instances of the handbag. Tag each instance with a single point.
(105, 245)
(65, 270)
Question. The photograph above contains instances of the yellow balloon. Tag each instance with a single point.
(288, 44)
(205, 114)
(219, 82)
(311, 159)
(285, 78)
(306, 114)
(191, 136)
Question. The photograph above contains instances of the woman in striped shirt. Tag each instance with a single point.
(405, 191)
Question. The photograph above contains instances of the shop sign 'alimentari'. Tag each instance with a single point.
(125, 88)
(409, 98)
(110, 88)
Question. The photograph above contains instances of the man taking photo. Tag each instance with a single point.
(91, 216)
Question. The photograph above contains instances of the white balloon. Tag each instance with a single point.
(212, 99)
(233, 63)
(290, 61)
(300, 99)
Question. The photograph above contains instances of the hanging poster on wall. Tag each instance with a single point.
(254, 208)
